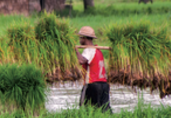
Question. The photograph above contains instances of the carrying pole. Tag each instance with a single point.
(97, 47)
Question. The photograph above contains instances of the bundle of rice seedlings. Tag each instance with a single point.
(51, 49)
(140, 56)
(23, 87)
(57, 40)
(21, 44)
(2, 48)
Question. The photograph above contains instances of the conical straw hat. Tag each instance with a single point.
(87, 31)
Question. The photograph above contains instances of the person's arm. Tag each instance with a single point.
(82, 60)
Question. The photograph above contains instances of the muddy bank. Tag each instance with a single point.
(67, 75)
(143, 81)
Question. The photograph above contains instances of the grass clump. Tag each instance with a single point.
(22, 87)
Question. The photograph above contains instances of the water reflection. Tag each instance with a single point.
(121, 97)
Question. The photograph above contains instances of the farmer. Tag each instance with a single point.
(96, 89)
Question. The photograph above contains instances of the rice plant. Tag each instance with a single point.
(22, 87)
(21, 43)
(140, 54)
(57, 39)
(50, 46)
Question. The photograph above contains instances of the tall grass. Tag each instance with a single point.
(22, 87)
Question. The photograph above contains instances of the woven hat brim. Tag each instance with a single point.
(87, 35)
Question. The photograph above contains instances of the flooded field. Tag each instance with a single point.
(121, 97)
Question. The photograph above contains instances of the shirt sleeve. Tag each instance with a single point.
(89, 54)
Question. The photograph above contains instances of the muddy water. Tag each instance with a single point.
(121, 97)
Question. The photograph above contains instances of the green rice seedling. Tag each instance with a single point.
(3, 49)
(57, 39)
(24, 48)
(136, 45)
(20, 44)
(22, 87)
(140, 54)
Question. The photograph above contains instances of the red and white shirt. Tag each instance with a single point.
(95, 67)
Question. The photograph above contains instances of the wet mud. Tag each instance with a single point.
(156, 81)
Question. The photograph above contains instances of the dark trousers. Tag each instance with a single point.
(96, 94)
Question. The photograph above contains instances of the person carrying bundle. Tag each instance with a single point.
(96, 89)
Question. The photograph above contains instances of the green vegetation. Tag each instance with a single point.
(48, 41)
(11, 20)
(49, 44)
(57, 38)
(21, 87)
(21, 44)
(119, 9)
(140, 46)
(141, 111)
(140, 56)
